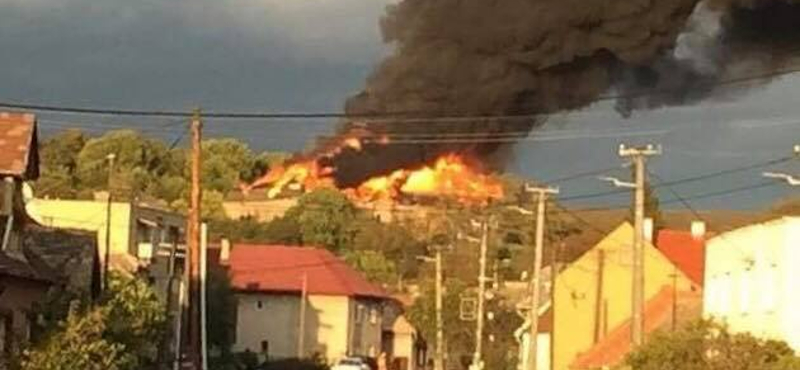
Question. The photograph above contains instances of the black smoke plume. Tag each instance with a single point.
(500, 59)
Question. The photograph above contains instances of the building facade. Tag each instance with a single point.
(140, 234)
(751, 279)
(592, 296)
(303, 302)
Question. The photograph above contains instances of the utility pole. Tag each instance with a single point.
(536, 282)
(107, 257)
(638, 156)
(438, 360)
(301, 335)
(193, 241)
(477, 360)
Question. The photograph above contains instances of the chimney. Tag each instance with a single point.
(648, 229)
(224, 251)
(698, 229)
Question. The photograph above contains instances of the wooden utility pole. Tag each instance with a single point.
(193, 240)
(301, 330)
(438, 360)
(638, 156)
(109, 204)
(536, 280)
(477, 360)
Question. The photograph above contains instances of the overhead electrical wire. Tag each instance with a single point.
(684, 180)
(394, 117)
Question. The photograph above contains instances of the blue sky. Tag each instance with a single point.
(309, 55)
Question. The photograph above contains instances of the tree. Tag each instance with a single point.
(59, 161)
(499, 343)
(221, 317)
(121, 333)
(374, 265)
(704, 345)
(140, 162)
(457, 335)
(394, 241)
(227, 162)
(80, 345)
(325, 218)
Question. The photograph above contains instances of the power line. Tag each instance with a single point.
(409, 116)
(684, 180)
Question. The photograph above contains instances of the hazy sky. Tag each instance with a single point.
(300, 55)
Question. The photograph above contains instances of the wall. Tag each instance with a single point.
(266, 210)
(751, 279)
(366, 327)
(89, 216)
(331, 329)
(18, 297)
(580, 311)
(542, 350)
(276, 322)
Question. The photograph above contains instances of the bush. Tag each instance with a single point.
(704, 345)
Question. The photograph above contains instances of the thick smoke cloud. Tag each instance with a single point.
(725, 50)
(517, 57)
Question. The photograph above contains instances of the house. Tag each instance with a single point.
(22, 281)
(751, 278)
(592, 295)
(34, 260)
(142, 236)
(341, 314)
(403, 344)
(71, 255)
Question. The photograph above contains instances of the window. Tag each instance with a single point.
(359, 313)
(259, 305)
(373, 316)
(265, 348)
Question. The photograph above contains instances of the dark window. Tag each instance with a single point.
(265, 348)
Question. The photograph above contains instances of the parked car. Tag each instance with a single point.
(351, 363)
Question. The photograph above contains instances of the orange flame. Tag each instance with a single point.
(449, 176)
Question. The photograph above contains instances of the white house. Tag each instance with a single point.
(751, 279)
(339, 315)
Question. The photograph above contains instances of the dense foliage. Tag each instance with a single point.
(500, 348)
(704, 345)
(74, 165)
(122, 332)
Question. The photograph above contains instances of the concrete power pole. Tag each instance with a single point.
(536, 282)
(193, 241)
(638, 156)
(477, 360)
(438, 361)
(109, 203)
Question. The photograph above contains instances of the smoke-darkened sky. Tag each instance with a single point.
(296, 55)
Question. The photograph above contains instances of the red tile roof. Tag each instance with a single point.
(18, 144)
(684, 251)
(613, 348)
(273, 268)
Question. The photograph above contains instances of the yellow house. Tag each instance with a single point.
(139, 232)
(592, 296)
